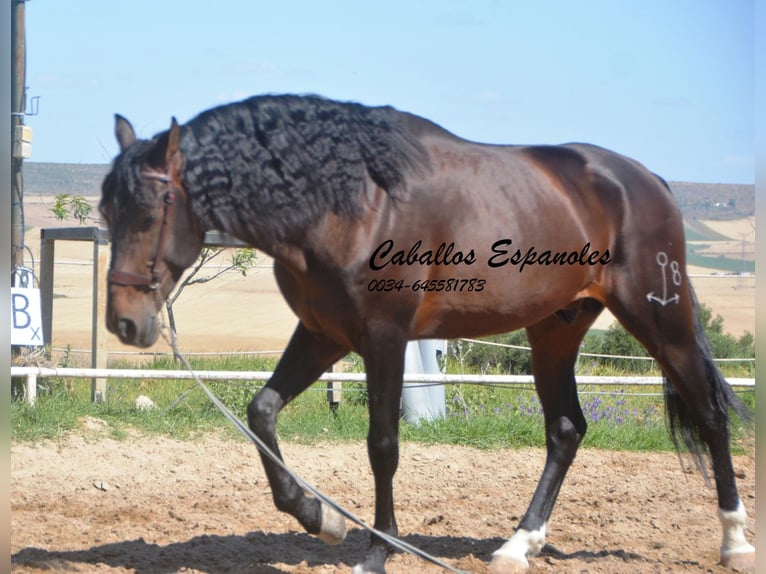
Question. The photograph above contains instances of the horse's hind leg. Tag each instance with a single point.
(555, 344)
(697, 396)
(307, 356)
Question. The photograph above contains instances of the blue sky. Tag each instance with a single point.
(668, 82)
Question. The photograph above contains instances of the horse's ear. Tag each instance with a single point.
(125, 133)
(174, 138)
(174, 158)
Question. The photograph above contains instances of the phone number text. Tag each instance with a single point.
(473, 284)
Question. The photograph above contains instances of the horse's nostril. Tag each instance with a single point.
(126, 330)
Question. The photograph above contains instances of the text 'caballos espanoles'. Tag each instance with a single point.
(499, 254)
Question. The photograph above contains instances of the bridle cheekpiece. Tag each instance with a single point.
(151, 281)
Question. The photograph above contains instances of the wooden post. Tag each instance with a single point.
(47, 256)
(334, 389)
(100, 239)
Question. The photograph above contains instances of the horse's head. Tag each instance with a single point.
(154, 234)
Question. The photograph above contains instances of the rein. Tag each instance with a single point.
(151, 281)
(266, 451)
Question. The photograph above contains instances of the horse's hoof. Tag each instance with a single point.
(362, 569)
(333, 528)
(508, 565)
(739, 561)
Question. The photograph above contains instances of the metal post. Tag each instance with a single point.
(18, 104)
(31, 389)
(98, 327)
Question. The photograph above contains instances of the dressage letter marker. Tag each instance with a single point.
(26, 319)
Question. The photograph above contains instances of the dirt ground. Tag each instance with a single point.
(154, 505)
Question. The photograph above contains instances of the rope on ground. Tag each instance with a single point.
(263, 448)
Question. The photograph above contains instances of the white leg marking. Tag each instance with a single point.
(512, 556)
(736, 552)
(333, 529)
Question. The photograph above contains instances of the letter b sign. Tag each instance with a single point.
(26, 319)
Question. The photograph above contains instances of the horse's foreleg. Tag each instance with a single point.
(384, 361)
(307, 356)
(554, 352)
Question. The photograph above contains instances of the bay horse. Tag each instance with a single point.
(384, 227)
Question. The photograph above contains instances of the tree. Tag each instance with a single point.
(242, 260)
(67, 205)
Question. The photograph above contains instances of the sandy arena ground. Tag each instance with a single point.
(158, 506)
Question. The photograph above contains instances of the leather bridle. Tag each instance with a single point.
(151, 281)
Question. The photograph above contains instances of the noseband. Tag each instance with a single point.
(151, 281)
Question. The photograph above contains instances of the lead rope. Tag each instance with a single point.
(264, 449)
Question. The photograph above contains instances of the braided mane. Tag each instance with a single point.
(279, 162)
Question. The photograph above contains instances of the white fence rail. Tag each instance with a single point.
(32, 374)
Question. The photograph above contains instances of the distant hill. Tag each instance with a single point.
(57, 178)
(720, 201)
(697, 200)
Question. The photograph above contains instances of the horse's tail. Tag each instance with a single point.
(684, 430)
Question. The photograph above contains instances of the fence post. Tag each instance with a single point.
(31, 389)
(47, 257)
(334, 391)
(98, 328)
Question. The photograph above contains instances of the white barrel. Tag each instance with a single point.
(423, 400)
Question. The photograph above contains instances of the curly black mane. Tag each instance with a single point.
(272, 164)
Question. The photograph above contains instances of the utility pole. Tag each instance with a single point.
(741, 277)
(18, 105)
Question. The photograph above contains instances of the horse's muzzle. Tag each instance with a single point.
(130, 333)
(133, 319)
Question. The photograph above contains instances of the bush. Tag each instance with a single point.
(487, 359)
(617, 341)
(466, 356)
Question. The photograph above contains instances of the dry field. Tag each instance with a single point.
(235, 313)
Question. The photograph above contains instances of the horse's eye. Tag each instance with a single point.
(146, 222)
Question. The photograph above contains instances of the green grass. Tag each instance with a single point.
(719, 263)
(479, 416)
(698, 231)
